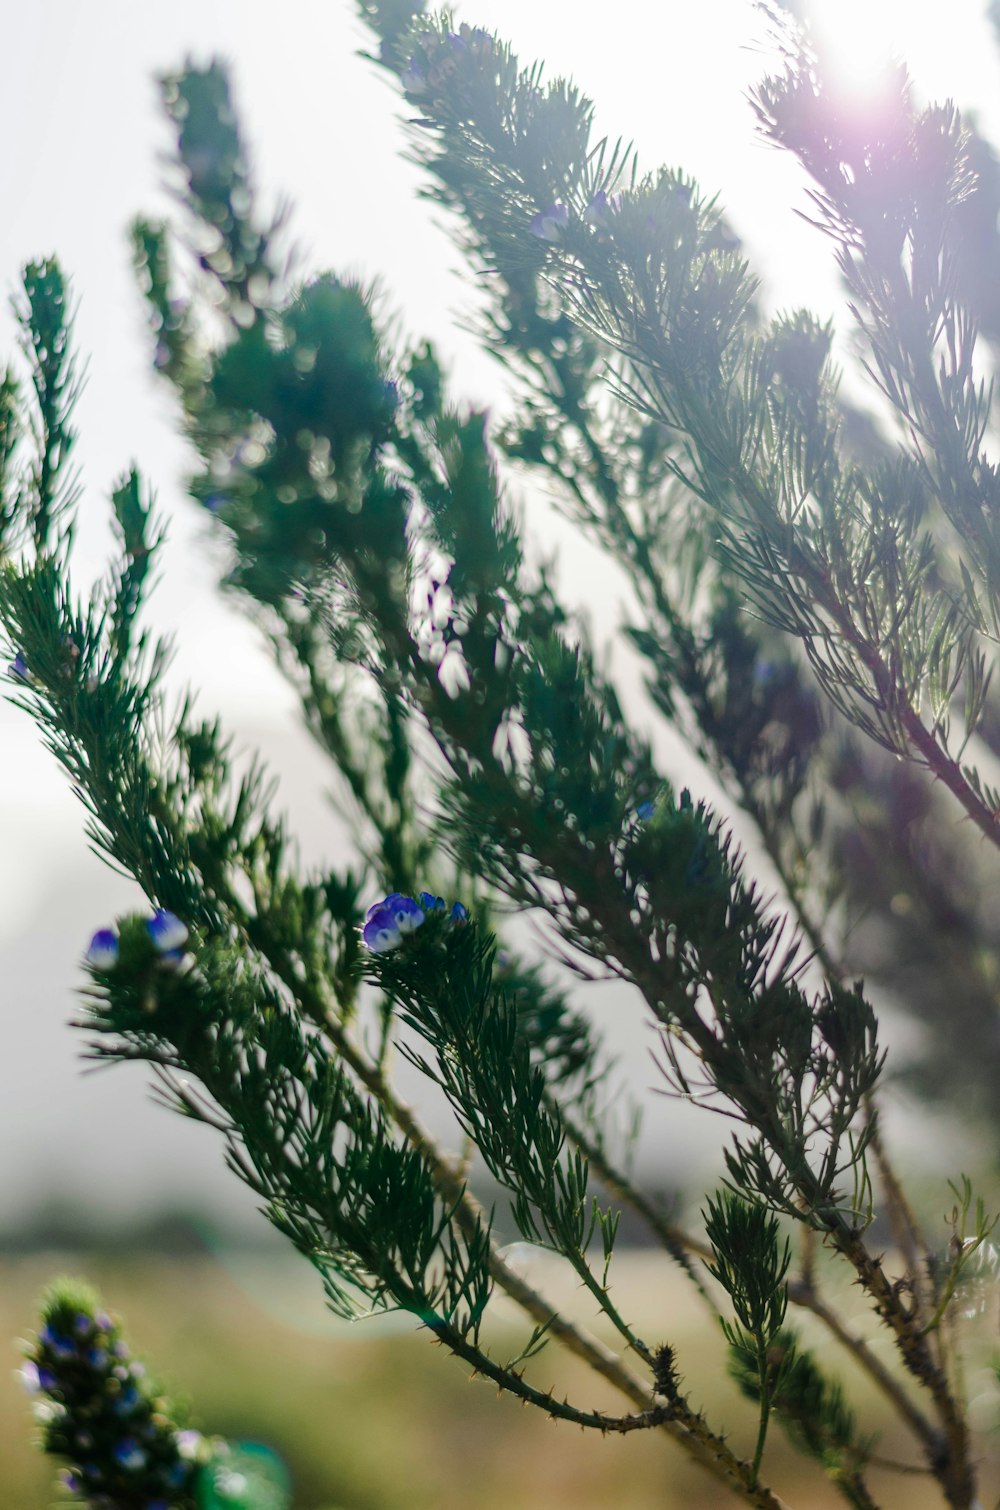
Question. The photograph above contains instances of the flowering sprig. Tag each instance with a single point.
(164, 930)
(389, 921)
(436, 55)
(98, 1410)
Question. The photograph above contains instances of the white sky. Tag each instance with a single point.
(82, 133)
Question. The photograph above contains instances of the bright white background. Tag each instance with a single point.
(82, 135)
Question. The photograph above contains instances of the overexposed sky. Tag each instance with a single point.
(82, 134)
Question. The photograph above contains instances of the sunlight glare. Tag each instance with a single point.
(863, 41)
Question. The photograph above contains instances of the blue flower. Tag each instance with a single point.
(767, 672)
(389, 920)
(549, 224)
(57, 1344)
(413, 78)
(459, 913)
(405, 912)
(167, 931)
(380, 932)
(103, 951)
(129, 1455)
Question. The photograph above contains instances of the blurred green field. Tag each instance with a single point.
(373, 1417)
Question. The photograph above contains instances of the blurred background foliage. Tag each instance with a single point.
(369, 1417)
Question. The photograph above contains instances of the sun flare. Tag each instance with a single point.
(863, 41)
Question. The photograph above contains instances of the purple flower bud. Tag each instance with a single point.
(413, 78)
(431, 903)
(645, 810)
(72, 1481)
(103, 951)
(601, 208)
(18, 668)
(167, 931)
(459, 913)
(30, 1376)
(477, 36)
(548, 224)
(61, 1346)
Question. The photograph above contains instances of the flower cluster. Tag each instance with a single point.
(390, 920)
(167, 934)
(549, 224)
(437, 55)
(98, 1410)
